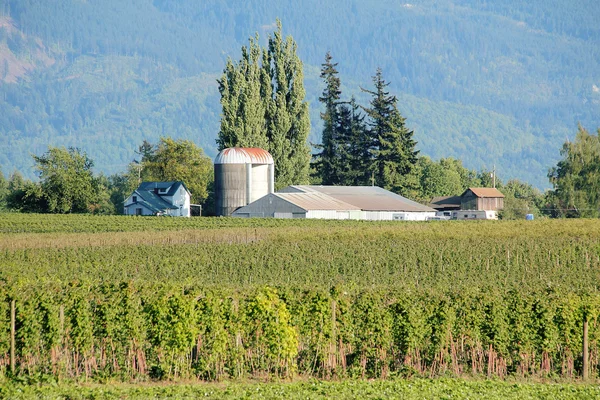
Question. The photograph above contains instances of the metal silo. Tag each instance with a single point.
(242, 175)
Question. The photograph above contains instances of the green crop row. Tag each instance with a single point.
(126, 331)
(371, 257)
(411, 389)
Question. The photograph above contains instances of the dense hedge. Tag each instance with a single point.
(125, 331)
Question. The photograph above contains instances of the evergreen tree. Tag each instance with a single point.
(394, 154)
(328, 162)
(355, 146)
(263, 100)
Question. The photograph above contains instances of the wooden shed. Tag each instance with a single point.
(489, 199)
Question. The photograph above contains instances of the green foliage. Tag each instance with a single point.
(397, 389)
(221, 298)
(177, 160)
(67, 183)
(3, 191)
(263, 102)
(393, 149)
(521, 199)
(576, 178)
(329, 162)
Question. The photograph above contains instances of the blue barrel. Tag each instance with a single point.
(529, 217)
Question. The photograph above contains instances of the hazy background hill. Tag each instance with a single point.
(488, 82)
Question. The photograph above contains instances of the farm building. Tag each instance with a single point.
(445, 203)
(474, 203)
(242, 175)
(484, 199)
(159, 198)
(336, 202)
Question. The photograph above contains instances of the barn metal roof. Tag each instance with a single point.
(316, 201)
(244, 155)
(486, 192)
(366, 198)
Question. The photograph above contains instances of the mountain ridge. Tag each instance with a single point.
(490, 84)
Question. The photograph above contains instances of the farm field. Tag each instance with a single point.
(411, 389)
(137, 299)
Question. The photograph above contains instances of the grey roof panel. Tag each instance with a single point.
(367, 198)
(316, 201)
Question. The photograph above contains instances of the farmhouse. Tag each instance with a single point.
(159, 198)
(336, 202)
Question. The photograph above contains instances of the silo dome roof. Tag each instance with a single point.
(244, 155)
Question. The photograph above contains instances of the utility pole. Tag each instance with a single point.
(494, 177)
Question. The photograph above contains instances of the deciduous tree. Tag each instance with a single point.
(179, 160)
(576, 178)
(263, 102)
(67, 182)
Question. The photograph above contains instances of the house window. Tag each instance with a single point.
(138, 211)
(134, 199)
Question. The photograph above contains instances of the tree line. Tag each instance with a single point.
(68, 184)
(263, 105)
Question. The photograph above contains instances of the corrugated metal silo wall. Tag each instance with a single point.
(260, 181)
(230, 188)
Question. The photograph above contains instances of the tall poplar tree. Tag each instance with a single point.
(394, 148)
(263, 100)
(328, 162)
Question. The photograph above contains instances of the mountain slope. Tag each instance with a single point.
(487, 82)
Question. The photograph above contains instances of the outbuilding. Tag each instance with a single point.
(336, 202)
(483, 199)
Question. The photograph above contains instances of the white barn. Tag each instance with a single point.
(336, 202)
(159, 198)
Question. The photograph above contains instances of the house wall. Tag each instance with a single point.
(398, 215)
(182, 200)
(131, 210)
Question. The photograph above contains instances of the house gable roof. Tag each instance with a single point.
(147, 196)
(484, 192)
(172, 187)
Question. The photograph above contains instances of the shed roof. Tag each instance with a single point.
(485, 192)
(316, 201)
(445, 202)
(367, 198)
(244, 155)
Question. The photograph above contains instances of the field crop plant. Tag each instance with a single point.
(138, 298)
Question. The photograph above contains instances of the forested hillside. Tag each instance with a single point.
(488, 82)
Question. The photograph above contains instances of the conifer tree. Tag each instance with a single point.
(394, 154)
(328, 162)
(263, 100)
(355, 146)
